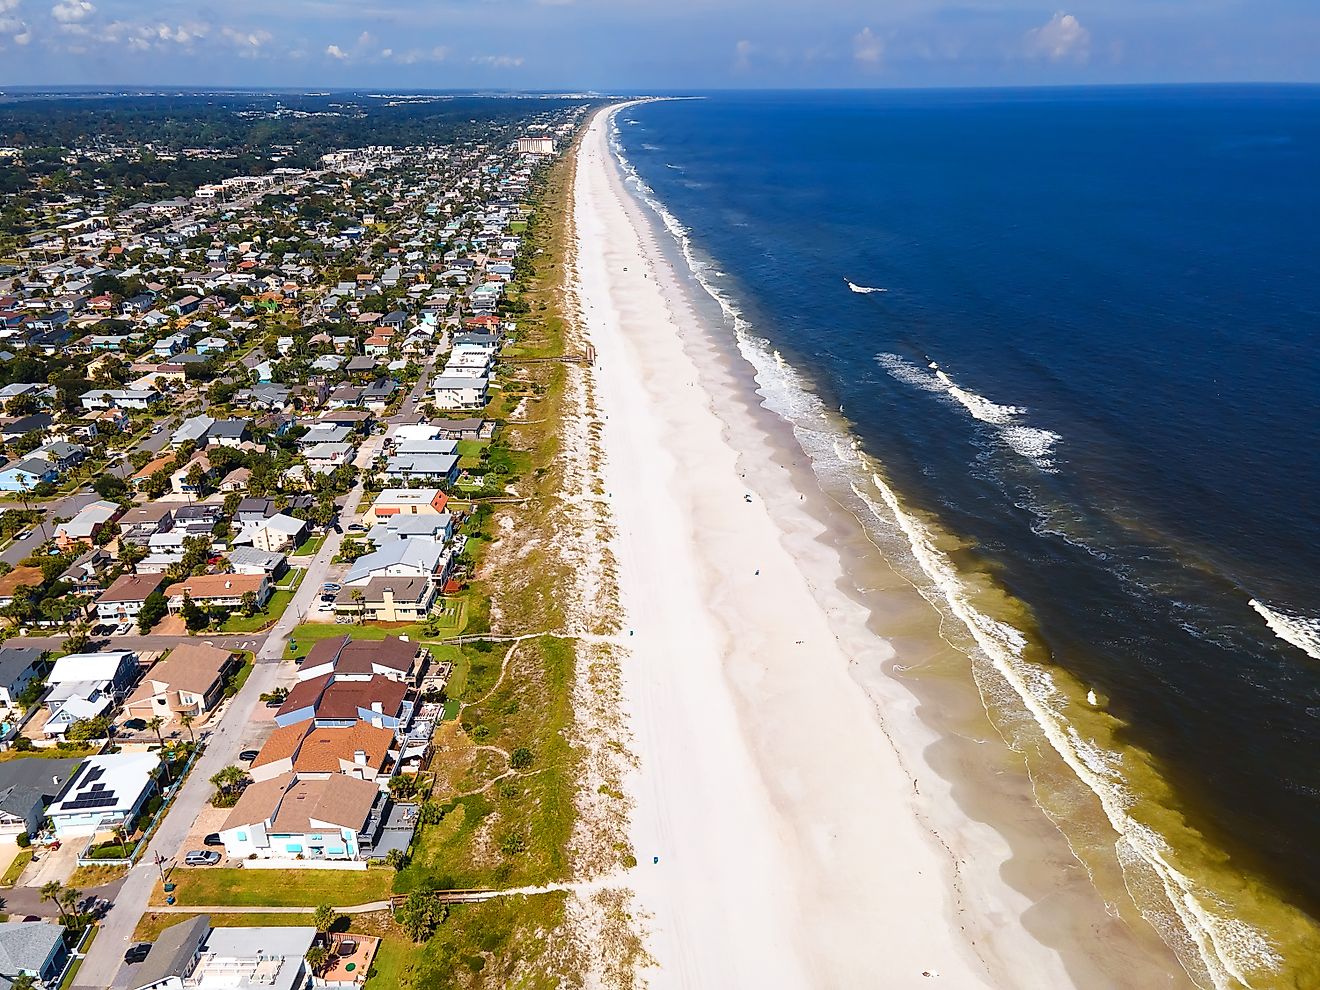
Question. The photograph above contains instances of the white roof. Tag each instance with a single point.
(87, 666)
(122, 778)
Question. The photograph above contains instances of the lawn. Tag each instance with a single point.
(152, 924)
(310, 546)
(77, 963)
(239, 623)
(205, 886)
(393, 959)
(16, 868)
(49, 753)
(93, 876)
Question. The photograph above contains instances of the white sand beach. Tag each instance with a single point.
(794, 846)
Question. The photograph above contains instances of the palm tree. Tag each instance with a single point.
(154, 724)
(71, 897)
(317, 957)
(186, 720)
(51, 892)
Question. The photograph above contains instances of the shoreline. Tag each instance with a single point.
(804, 835)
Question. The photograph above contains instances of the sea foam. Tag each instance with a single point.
(863, 289)
(1298, 630)
(1030, 442)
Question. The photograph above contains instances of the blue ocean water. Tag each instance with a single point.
(1096, 356)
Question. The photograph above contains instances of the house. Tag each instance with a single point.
(189, 681)
(253, 510)
(349, 659)
(325, 457)
(221, 590)
(27, 474)
(286, 817)
(228, 432)
(414, 557)
(279, 532)
(459, 391)
(328, 700)
(197, 519)
(19, 577)
(140, 523)
(86, 575)
(143, 475)
(78, 674)
(86, 525)
(358, 750)
(179, 477)
(195, 955)
(123, 398)
(235, 481)
(27, 786)
(464, 429)
(105, 791)
(34, 948)
(193, 428)
(123, 600)
(250, 560)
(436, 468)
(18, 666)
(388, 599)
(407, 501)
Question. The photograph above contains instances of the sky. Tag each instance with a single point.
(654, 45)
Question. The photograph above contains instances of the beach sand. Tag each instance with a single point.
(794, 842)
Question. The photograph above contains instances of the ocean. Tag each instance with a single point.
(1073, 342)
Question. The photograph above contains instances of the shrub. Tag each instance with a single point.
(520, 758)
(24, 840)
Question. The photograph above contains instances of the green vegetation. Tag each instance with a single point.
(310, 546)
(16, 868)
(276, 888)
(153, 923)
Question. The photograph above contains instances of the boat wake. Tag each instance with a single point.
(1030, 442)
(1297, 630)
(863, 289)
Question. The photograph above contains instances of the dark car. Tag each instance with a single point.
(248, 755)
(136, 953)
(213, 840)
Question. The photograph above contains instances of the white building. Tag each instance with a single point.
(104, 792)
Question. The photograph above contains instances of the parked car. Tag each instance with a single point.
(248, 755)
(213, 840)
(123, 629)
(23, 535)
(137, 953)
(331, 586)
(201, 857)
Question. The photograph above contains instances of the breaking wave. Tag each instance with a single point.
(864, 289)
(1297, 630)
(1030, 442)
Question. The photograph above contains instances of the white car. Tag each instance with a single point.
(123, 629)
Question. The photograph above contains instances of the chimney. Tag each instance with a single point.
(377, 706)
(228, 585)
(360, 757)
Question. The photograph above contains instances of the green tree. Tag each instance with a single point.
(85, 729)
(52, 892)
(317, 956)
(249, 602)
(324, 919)
(110, 486)
(153, 610)
(420, 915)
(194, 616)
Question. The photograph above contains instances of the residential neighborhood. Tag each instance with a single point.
(248, 436)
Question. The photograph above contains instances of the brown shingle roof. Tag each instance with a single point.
(342, 699)
(217, 585)
(131, 588)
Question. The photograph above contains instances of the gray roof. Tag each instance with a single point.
(28, 779)
(173, 951)
(27, 944)
(252, 557)
(15, 661)
(227, 428)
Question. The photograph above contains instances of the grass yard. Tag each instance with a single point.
(205, 886)
(153, 923)
(239, 623)
(49, 753)
(310, 546)
(93, 876)
(392, 962)
(16, 868)
(76, 965)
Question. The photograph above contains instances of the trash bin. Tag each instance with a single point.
(169, 887)
(170, 899)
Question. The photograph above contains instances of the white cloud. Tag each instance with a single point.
(387, 53)
(867, 48)
(1061, 37)
(499, 61)
(7, 5)
(248, 43)
(334, 51)
(742, 55)
(72, 11)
